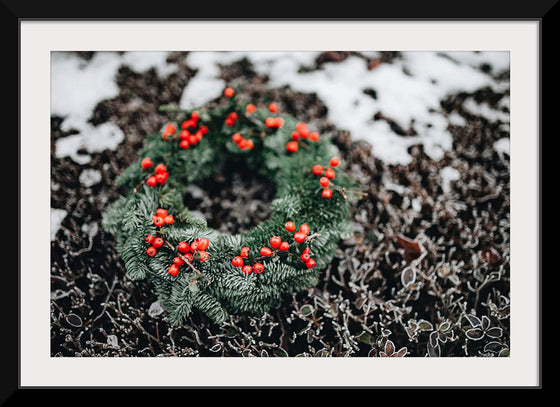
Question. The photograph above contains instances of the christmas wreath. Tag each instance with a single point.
(194, 266)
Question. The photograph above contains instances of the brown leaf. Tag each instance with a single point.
(374, 63)
(332, 56)
(412, 248)
(490, 255)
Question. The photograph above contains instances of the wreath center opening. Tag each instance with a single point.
(233, 201)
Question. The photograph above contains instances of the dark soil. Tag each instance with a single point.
(452, 248)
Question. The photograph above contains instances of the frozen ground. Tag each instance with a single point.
(425, 133)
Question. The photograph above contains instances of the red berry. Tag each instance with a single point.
(292, 146)
(305, 257)
(302, 129)
(151, 251)
(327, 193)
(306, 250)
(150, 238)
(147, 163)
(162, 213)
(278, 122)
(194, 246)
(158, 221)
(188, 124)
(300, 237)
(314, 136)
(329, 173)
(273, 107)
(184, 144)
(243, 143)
(290, 226)
(183, 247)
(158, 242)
(160, 169)
(232, 116)
(304, 228)
(203, 255)
(193, 140)
(295, 135)
(229, 92)
(310, 263)
(178, 261)
(173, 270)
(335, 162)
(237, 261)
(284, 246)
(250, 144)
(324, 182)
(317, 169)
(195, 115)
(270, 122)
(275, 242)
(151, 181)
(203, 243)
(203, 130)
(161, 178)
(265, 251)
(247, 269)
(244, 252)
(169, 220)
(189, 256)
(169, 130)
(236, 137)
(258, 268)
(250, 108)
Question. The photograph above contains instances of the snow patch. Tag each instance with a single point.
(502, 146)
(448, 175)
(408, 91)
(57, 216)
(77, 86)
(90, 177)
(484, 110)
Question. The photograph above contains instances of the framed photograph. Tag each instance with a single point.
(337, 203)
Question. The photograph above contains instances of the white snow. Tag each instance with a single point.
(57, 216)
(77, 86)
(484, 110)
(448, 175)
(409, 91)
(155, 309)
(502, 146)
(90, 177)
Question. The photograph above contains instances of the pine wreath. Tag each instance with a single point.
(191, 265)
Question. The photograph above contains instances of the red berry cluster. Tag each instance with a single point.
(301, 133)
(239, 261)
(274, 122)
(242, 142)
(155, 243)
(277, 245)
(191, 131)
(327, 175)
(231, 119)
(301, 237)
(160, 174)
(162, 218)
(195, 250)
